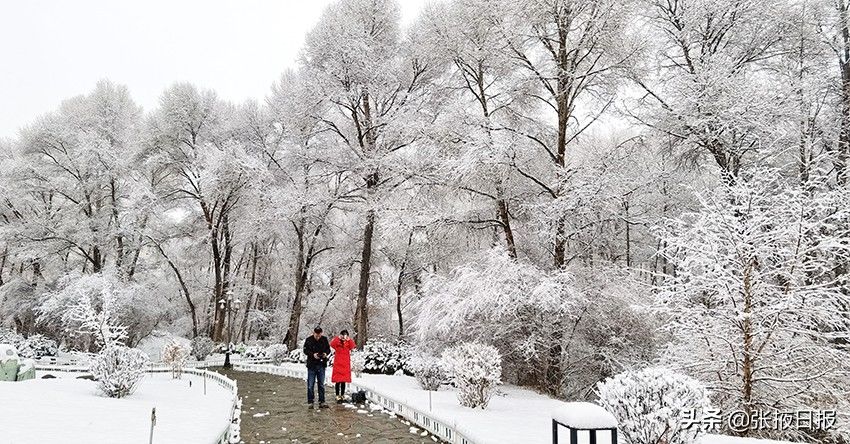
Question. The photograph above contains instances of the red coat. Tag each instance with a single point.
(342, 359)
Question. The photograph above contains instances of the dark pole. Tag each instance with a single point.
(554, 432)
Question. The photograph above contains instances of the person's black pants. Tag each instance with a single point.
(339, 388)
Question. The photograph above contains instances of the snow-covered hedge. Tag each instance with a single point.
(297, 355)
(476, 370)
(277, 353)
(37, 346)
(428, 370)
(202, 346)
(174, 355)
(33, 347)
(650, 405)
(118, 369)
(358, 362)
(384, 357)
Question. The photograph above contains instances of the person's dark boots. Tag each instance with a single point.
(310, 406)
(322, 405)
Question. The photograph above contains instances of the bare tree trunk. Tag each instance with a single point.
(505, 221)
(291, 339)
(3, 262)
(843, 149)
(400, 286)
(747, 366)
(361, 315)
(184, 288)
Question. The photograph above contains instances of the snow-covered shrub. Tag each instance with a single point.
(297, 355)
(277, 353)
(36, 346)
(358, 362)
(118, 369)
(202, 346)
(384, 357)
(32, 347)
(10, 337)
(252, 351)
(174, 355)
(597, 307)
(428, 370)
(476, 370)
(651, 405)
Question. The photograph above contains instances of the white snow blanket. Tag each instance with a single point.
(584, 415)
(514, 415)
(724, 439)
(71, 411)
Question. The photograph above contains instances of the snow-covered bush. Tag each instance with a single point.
(527, 311)
(251, 351)
(277, 353)
(428, 370)
(651, 405)
(118, 369)
(358, 362)
(10, 337)
(37, 346)
(476, 370)
(297, 355)
(174, 355)
(384, 357)
(32, 347)
(202, 346)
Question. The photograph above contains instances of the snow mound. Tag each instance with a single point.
(724, 439)
(8, 353)
(585, 415)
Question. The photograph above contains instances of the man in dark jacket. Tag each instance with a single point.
(317, 349)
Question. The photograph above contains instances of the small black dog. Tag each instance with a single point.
(358, 397)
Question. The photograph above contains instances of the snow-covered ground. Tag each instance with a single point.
(513, 415)
(723, 439)
(71, 411)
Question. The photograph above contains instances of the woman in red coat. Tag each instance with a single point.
(342, 346)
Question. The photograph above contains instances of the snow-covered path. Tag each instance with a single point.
(274, 410)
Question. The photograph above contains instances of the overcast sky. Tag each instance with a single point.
(54, 49)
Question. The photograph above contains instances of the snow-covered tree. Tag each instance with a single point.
(92, 306)
(514, 306)
(371, 89)
(174, 355)
(754, 307)
(202, 346)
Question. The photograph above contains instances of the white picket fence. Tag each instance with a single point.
(440, 429)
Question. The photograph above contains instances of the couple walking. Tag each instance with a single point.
(317, 348)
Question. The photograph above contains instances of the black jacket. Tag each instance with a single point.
(320, 346)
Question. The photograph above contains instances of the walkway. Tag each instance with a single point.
(274, 410)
